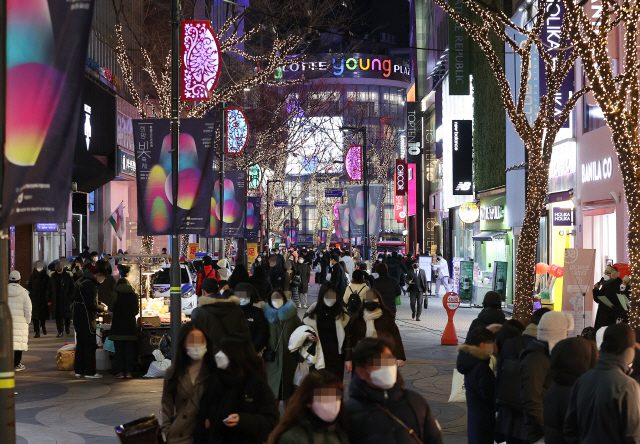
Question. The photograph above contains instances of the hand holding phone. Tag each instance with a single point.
(232, 420)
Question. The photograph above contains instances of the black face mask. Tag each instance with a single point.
(371, 306)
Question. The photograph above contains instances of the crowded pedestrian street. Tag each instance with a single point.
(54, 407)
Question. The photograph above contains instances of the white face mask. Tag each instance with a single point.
(300, 261)
(379, 260)
(39, 269)
(94, 259)
(488, 349)
(623, 287)
(329, 302)
(384, 377)
(327, 411)
(259, 259)
(320, 255)
(606, 277)
(245, 301)
(222, 361)
(277, 303)
(100, 279)
(196, 353)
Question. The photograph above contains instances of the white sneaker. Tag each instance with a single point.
(79, 376)
(19, 368)
(96, 376)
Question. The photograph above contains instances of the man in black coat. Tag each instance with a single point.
(60, 293)
(417, 287)
(367, 277)
(275, 272)
(221, 316)
(396, 267)
(377, 392)
(338, 277)
(605, 403)
(256, 321)
(84, 322)
(387, 286)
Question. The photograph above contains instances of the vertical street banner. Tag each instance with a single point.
(322, 238)
(577, 288)
(46, 53)
(235, 200)
(462, 157)
(466, 281)
(152, 139)
(355, 194)
(401, 177)
(343, 217)
(336, 227)
(499, 283)
(253, 217)
(459, 60)
(252, 254)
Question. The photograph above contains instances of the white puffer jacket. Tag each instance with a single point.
(20, 306)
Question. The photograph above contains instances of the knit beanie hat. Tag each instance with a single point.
(553, 327)
(492, 300)
(618, 338)
(613, 271)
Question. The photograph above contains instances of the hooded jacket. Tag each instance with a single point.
(20, 307)
(487, 317)
(570, 359)
(604, 406)
(37, 288)
(535, 379)
(221, 318)
(282, 324)
(124, 306)
(369, 424)
(480, 387)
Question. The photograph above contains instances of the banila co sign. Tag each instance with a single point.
(597, 170)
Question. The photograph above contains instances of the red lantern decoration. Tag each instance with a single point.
(556, 271)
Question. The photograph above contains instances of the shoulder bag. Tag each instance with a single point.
(270, 355)
(411, 432)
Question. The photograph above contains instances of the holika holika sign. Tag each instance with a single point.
(459, 84)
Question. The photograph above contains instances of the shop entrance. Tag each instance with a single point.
(600, 234)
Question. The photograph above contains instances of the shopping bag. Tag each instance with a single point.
(457, 388)
(158, 368)
(301, 372)
(398, 301)
(66, 357)
(109, 345)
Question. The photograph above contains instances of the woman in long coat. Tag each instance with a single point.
(283, 320)
(37, 288)
(305, 276)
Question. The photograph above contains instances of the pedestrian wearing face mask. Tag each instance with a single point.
(276, 273)
(92, 263)
(280, 363)
(237, 406)
(316, 413)
(330, 320)
(256, 263)
(304, 271)
(605, 294)
(184, 383)
(86, 308)
(605, 403)
(239, 276)
(338, 275)
(260, 280)
(107, 285)
(375, 321)
(323, 261)
(60, 293)
(286, 282)
(380, 409)
(37, 288)
(480, 385)
(124, 306)
(258, 325)
(20, 308)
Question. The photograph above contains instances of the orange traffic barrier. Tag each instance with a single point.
(451, 302)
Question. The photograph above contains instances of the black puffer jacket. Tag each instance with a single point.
(221, 317)
(487, 317)
(124, 305)
(37, 288)
(86, 306)
(258, 326)
(570, 359)
(397, 269)
(60, 292)
(604, 406)
(535, 379)
(388, 288)
(370, 425)
(250, 398)
(262, 284)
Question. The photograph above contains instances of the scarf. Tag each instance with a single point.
(369, 318)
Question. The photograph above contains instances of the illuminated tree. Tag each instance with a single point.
(538, 132)
(616, 85)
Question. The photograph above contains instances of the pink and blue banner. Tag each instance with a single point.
(235, 200)
(252, 227)
(46, 53)
(356, 209)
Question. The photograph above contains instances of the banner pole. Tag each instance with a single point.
(221, 202)
(175, 287)
(365, 186)
(7, 375)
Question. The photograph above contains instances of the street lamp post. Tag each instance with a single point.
(365, 184)
(268, 209)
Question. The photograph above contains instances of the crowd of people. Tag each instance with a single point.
(536, 385)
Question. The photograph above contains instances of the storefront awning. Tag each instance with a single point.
(489, 236)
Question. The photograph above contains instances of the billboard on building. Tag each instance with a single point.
(462, 157)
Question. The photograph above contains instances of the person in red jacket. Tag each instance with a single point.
(207, 271)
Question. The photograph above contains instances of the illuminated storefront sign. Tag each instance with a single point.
(491, 213)
(597, 170)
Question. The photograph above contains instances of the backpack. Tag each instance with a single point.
(354, 302)
(508, 390)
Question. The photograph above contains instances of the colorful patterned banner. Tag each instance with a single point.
(235, 200)
(252, 227)
(153, 171)
(46, 53)
(336, 227)
(322, 238)
(343, 217)
(356, 209)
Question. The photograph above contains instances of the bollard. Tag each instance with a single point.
(451, 302)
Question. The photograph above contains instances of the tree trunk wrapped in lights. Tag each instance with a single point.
(537, 132)
(616, 89)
